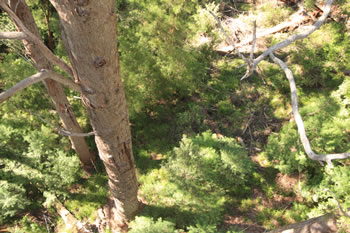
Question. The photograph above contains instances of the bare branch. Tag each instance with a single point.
(32, 38)
(62, 131)
(65, 81)
(23, 84)
(299, 121)
(13, 35)
(43, 74)
(254, 41)
(295, 37)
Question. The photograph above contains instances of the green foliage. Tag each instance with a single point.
(12, 199)
(325, 127)
(156, 63)
(205, 159)
(87, 196)
(336, 181)
(33, 158)
(320, 59)
(148, 225)
(270, 15)
(28, 226)
(191, 187)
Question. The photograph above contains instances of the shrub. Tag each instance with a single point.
(12, 199)
(192, 186)
(326, 128)
(209, 163)
(148, 225)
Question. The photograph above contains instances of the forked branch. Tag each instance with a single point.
(299, 36)
(299, 121)
(249, 61)
(32, 38)
(43, 74)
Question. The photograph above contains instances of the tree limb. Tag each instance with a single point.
(62, 131)
(295, 37)
(254, 41)
(299, 121)
(43, 74)
(32, 38)
(13, 35)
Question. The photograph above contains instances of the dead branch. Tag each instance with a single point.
(254, 41)
(294, 37)
(32, 38)
(299, 121)
(228, 38)
(13, 35)
(43, 74)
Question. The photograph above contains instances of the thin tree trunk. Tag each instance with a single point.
(47, 14)
(55, 90)
(90, 35)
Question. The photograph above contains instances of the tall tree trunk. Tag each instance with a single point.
(55, 90)
(90, 36)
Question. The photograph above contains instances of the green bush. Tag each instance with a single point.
(326, 127)
(148, 225)
(193, 185)
(157, 61)
(12, 199)
(207, 162)
(320, 59)
(28, 226)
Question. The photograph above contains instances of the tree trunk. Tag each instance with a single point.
(90, 35)
(55, 90)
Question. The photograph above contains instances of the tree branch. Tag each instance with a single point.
(32, 38)
(43, 74)
(299, 121)
(13, 35)
(62, 131)
(295, 37)
(254, 41)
